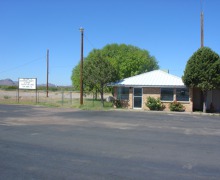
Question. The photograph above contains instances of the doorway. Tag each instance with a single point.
(137, 98)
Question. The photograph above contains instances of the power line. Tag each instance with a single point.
(57, 67)
(22, 65)
(89, 41)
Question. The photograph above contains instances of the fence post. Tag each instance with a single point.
(62, 97)
(18, 96)
(38, 99)
(71, 98)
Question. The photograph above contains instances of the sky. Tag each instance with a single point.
(168, 29)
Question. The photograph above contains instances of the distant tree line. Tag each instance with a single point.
(40, 88)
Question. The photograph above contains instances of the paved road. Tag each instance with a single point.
(49, 143)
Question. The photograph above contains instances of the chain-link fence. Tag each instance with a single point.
(55, 98)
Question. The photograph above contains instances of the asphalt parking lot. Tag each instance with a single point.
(56, 143)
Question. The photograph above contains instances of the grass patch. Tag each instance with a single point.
(90, 104)
(55, 101)
(49, 104)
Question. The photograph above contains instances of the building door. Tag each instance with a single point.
(137, 98)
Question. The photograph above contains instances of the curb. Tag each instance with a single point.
(168, 112)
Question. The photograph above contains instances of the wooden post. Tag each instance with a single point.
(81, 68)
(202, 29)
(47, 70)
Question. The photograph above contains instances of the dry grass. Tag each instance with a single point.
(55, 99)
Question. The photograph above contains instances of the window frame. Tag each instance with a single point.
(167, 100)
(122, 96)
(181, 89)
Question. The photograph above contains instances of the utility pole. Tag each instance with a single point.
(47, 70)
(81, 68)
(202, 24)
(202, 29)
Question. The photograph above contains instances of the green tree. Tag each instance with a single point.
(76, 77)
(203, 71)
(127, 60)
(98, 71)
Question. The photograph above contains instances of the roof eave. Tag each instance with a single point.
(153, 86)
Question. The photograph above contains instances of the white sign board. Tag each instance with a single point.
(27, 83)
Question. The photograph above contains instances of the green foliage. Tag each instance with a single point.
(76, 77)
(55, 88)
(8, 88)
(7, 97)
(154, 104)
(127, 61)
(176, 106)
(203, 70)
(44, 88)
(41, 88)
(117, 103)
(98, 71)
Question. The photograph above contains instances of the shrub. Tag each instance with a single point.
(8, 88)
(176, 106)
(117, 103)
(7, 97)
(154, 104)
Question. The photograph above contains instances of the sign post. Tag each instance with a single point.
(27, 84)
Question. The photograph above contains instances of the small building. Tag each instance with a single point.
(212, 102)
(133, 91)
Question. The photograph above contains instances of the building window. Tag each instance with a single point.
(166, 94)
(182, 94)
(123, 93)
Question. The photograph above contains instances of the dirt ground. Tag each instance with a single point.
(30, 96)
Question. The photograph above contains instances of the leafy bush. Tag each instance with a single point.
(53, 89)
(8, 88)
(154, 104)
(7, 97)
(117, 103)
(176, 106)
